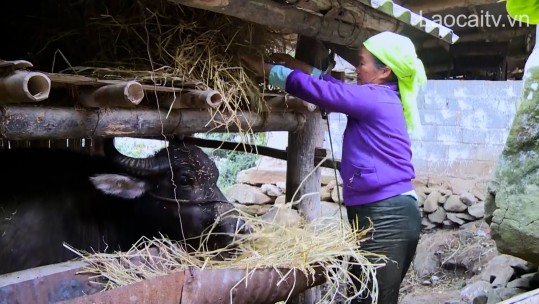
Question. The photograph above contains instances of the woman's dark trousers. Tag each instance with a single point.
(397, 225)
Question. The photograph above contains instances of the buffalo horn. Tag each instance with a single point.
(138, 166)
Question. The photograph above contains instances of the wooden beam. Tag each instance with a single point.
(436, 6)
(302, 179)
(259, 150)
(289, 19)
(26, 122)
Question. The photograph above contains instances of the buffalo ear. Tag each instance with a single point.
(123, 186)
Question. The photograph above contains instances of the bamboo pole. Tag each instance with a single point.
(23, 87)
(125, 94)
(26, 122)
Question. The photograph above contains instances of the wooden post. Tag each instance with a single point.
(301, 154)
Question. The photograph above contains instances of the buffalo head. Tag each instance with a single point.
(178, 185)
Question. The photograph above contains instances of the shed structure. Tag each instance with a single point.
(45, 101)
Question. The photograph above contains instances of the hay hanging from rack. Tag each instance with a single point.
(157, 42)
(326, 242)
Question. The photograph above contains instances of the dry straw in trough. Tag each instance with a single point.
(325, 243)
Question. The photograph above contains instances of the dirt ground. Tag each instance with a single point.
(454, 248)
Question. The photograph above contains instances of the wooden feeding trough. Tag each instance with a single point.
(62, 283)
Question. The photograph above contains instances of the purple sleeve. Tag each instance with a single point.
(354, 100)
(330, 78)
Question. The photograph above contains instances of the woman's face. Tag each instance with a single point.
(368, 72)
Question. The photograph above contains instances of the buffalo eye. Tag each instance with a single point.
(185, 180)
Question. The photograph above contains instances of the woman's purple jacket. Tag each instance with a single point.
(376, 158)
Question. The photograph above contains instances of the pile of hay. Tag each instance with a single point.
(326, 242)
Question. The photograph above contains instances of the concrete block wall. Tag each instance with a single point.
(465, 126)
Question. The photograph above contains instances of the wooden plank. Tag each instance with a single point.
(530, 297)
(287, 18)
(259, 150)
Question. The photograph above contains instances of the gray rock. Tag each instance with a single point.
(246, 194)
(336, 195)
(477, 210)
(271, 190)
(423, 189)
(421, 197)
(442, 199)
(282, 215)
(476, 293)
(280, 200)
(325, 194)
(465, 216)
(454, 204)
(431, 202)
(330, 209)
(454, 218)
(498, 295)
(522, 282)
(427, 224)
(425, 262)
(282, 186)
(447, 224)
(438, 216)
(502, 268)
(471, 259)
(515, 216)
(490, 200)
(445, 192)
(253, 209)
(468, 198)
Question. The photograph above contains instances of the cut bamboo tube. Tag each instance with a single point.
(195, 99)
(24, 86)
(278, 102)
(124, 95)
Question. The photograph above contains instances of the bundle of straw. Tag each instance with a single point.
(326, 243)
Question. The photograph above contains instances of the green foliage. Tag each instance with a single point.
(230, 163)
(138, 147)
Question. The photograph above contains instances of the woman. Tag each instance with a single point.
(376, 165)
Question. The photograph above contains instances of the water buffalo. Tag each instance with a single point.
(50, 196)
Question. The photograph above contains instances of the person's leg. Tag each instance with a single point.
(397, 225)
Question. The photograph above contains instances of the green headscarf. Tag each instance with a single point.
(398, 53)
(526, 11)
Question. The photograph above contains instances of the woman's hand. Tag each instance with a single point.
(256, 64)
